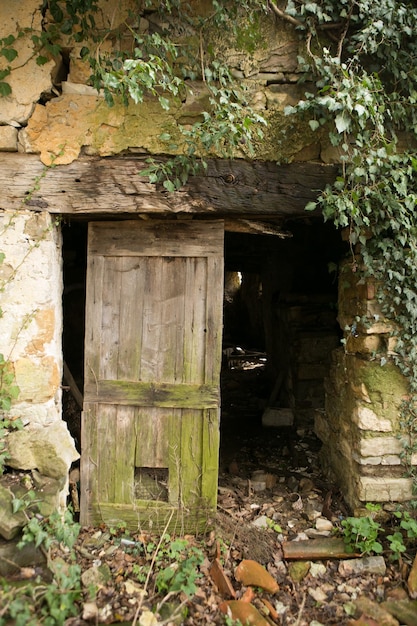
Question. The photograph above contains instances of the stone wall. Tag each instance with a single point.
(31, 328)
(360, 428)
(53, 112)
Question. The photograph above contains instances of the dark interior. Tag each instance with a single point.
(280, 326)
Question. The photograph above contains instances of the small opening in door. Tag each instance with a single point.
(151, 483)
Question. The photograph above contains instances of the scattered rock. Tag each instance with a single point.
(368, 608)
(48, 448)
(96, 577)
(313, 533)
(298, 570)
(317, 570)
(9, 524)
(366, 565)
(318, 594)
(323, 524)
(148, 619)
(261, 522)
(13, 559)
(90, 611)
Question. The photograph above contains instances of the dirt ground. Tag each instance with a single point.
(256, 524)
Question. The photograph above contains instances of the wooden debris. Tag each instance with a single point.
(114, 185)
(404, 610)
(69, 380)
(313, 549)
(255, 227)
(412, 580)
(221, 580)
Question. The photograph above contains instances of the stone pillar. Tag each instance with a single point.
(30, 331)
(360, 427)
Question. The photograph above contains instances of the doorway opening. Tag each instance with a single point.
(74, 252)
(280, 327)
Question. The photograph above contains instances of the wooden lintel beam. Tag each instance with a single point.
(114, 185)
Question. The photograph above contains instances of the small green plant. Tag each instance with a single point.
(46, 603)
(24, 503)
(396, 544)
(183, 571)
(174, 568)
(8, 388)
(273, 525)
(6, 425)
(229, 621)
(407, 533)
(361, 535)
(175, 563)
(57, 527)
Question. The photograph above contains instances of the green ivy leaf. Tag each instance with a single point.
(9, 53)
(40, 60)
(56, 11)
(5, 89)
(169, 185)
(164, 102)
(9, 40)
(342, 122)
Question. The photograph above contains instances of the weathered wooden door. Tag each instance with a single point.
(150, 428)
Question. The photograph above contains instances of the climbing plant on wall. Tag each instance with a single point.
(363, 57)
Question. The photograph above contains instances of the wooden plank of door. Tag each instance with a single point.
(153, 341)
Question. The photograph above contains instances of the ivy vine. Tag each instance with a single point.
(363, 56)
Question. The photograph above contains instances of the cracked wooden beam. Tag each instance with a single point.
(100, 186)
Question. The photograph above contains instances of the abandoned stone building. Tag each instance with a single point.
(135, 297)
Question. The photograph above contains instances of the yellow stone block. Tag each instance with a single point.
(45, 321)
(38, 380)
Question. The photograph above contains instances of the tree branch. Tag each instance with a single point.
(293, 20)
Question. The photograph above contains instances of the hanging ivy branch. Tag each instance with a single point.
(155, 64)
(158, 66)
